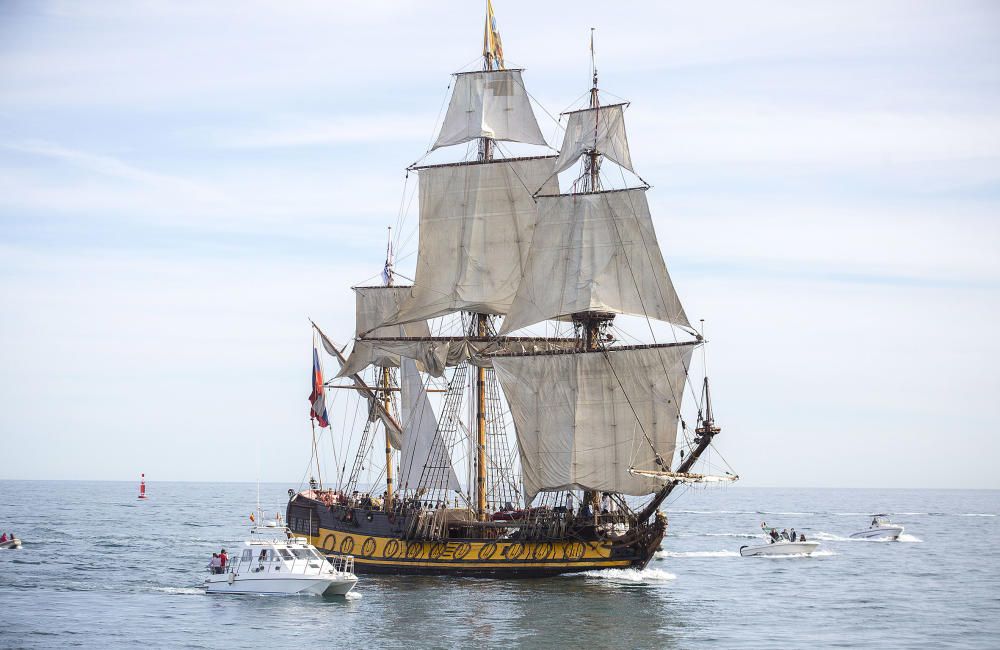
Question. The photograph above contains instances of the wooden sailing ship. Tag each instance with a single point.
(596, 448)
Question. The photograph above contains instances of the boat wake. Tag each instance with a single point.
(830, 537)
(180, 591)
(630, 576)
(664, 554)
(352, 595)
(820, 553)
(740, 535)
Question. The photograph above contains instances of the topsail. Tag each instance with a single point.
(594, 252)
(372, 306)
(600, 129)
(476, 224)
(489, 104)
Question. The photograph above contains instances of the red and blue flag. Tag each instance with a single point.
(317, 399)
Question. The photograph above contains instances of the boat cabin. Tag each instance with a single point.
(291, 556)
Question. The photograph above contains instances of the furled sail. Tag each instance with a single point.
(422, 446)
(489, 104)
(584, 420)
(433, 356)
(600, 129)
(372, 306)
(594, 252)
(375, 408)
(476, 222)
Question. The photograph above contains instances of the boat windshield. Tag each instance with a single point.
(285, 555)
(301, 553)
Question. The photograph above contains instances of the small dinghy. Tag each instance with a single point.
(881, 528)
(275, 562)
(10, 544)
(779, 548)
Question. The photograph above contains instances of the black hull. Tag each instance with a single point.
(378, 542)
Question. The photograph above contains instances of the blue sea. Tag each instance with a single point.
(100, 568)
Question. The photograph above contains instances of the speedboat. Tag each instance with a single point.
(782, 547)
(881, 528)
(275, 562)
(11, 543)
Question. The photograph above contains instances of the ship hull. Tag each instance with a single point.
(378, 543)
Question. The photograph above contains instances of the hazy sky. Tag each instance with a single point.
(182, 184)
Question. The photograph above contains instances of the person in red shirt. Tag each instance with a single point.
(223, 560)
(3, 538)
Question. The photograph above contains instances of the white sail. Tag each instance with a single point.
(422, 445)
(489, 104)
(599, 129)
(584, 420)
(476, 222)
(594, 252)
(372, 306)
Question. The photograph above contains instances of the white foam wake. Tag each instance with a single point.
(976, 514)
(631, 576)
(182, 591)
(663, 554)
(352, 595)
(820, 553)
(830, 537)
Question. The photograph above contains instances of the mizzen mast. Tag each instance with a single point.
(386, 385)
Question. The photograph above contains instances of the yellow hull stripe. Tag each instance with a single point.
(467, 553)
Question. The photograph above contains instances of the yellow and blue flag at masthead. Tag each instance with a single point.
(492, 47)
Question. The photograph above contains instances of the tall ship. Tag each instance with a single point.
(493, 416)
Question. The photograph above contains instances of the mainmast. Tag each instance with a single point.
(492, 60)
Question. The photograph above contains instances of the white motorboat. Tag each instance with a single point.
(881, 528)
(10, 544)
(779, 548)
(275, 562)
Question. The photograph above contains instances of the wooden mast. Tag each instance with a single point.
(386, 385)
(592, 321)
(480, 320)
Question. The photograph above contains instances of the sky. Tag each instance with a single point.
(183, 184)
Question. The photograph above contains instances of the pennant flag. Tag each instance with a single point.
(387, 271)
(317, 399)
(492, 47)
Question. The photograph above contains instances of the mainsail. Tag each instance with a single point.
(594, 252)
(476, 224)
(584, 420)
(422, 446)
(489, 104)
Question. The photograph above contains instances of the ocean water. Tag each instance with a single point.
(100, 568)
